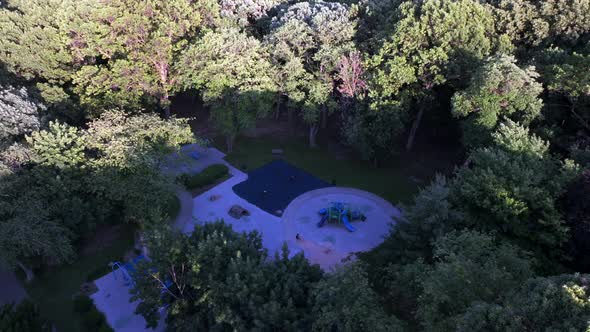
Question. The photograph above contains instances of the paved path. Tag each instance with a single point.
(11, 289)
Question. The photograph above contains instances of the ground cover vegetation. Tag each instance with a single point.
(499, 244)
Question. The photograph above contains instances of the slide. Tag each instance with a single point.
(323, 221)
(347, 224)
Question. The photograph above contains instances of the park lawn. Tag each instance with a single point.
(53, 290)
(393, 182)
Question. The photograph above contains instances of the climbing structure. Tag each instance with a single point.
(342, 213)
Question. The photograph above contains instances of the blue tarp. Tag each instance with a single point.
(273, 186)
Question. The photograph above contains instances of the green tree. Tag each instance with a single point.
(128, 50)
(232, 70)
(497, 90)
(372, 133)
(469, 266)
(60, 146)
(433, 42)
(558, 303)
(34, 43)
(77, 179)
(567, 75)
(531, 23)
(311, 37)
(194, 266)
(513, 187)
(22, 317)
(268, 295)
(20, 114)
(576, 208)
(345, 302)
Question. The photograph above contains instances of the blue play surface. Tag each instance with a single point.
(273, 186)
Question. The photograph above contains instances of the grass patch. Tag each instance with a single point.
(392, 182)
(207, 176)
(53, 289)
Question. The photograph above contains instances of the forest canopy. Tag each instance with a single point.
(501, 243)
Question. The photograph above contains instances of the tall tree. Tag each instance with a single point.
(433, 42)
(531, 23)
(567, 74)
(577, 213)
(311, 37)
(34, 44)
(20, 114)
(512, 188)
(558, 303)
(497, 90)
(469, 267)
(344, 301)
(232, 71)
(128, 49)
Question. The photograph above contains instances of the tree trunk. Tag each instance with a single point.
(324, 117)
(313, 131)
(28, 272)
(414, 128)
(278, 109)
(229, 140)
(165, 104)
(579, 117)
(290, 116)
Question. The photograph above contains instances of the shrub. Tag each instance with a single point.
(93, 320)
(105, 328)
(206, 177)
(22, 317)
(82, 304)
(97, 273)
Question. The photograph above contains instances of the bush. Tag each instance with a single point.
(206, 177)
(22, 317)
(97, 273)
(93, 320)
(82, 304)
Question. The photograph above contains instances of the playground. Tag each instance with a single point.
(273, 186)
(328, 224)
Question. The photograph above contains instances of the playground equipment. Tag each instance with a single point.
(340, 212)
(127, 269)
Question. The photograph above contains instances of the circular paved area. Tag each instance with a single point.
(331, 244)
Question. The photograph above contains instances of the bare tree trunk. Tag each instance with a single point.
(165, 104)
(324, 117)
(313, 131)
(229, 140)
(28, 272)
(290, 116)
(278, 109)
(579, 117)
(414, 128)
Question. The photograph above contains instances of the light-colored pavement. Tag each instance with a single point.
(113, 299)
